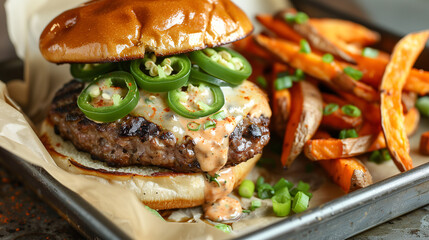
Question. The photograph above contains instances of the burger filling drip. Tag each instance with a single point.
(223, 209)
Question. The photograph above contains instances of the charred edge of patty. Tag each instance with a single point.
(135, 141)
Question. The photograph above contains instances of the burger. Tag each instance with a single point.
(155, 104)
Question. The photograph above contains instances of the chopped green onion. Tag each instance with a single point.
(245, 211)
(283, 81)
(154, 212)
(255, 204)
(148, 101)
(261, 81)
(281, 205)
(299, 17)
(330, 108)
(327, 58)
(283, 191)
(380, 156)
(299, 74)
(353, 73)
(260, 181)
(305, 47)
(209, 124)
(116, 99)
(303, 187)
(300, 202)
(422, 105)
(246, 189)
(348, 133)
(370, 52)
(194, 126)
(221, 115)
(213, 179)
(351, 110)
(282, 183)
(265, 191)
(224, 227)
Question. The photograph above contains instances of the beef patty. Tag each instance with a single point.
(133, 140)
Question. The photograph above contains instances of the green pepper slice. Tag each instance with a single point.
(199, 75)
(214, 64)
(113, 112)
(174, 96)
(87, 72)
(162, 83)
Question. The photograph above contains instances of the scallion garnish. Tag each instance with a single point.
(380, 156)
(283, 81)
(194, 126)
(422, 105)
(261, 81)
(219, 115)
(327, 58)
(224, 227)
(348, 133)
(351, 110)
(282, 183)
(370, 52)
(209, 124)
(265, 191)
(299, 75)
(299, 17)
(353, 73)
(213, 179)
(246, 188)
(255, 204)
(300, 202)
(305, 47)
(281, 205)
(330, 108)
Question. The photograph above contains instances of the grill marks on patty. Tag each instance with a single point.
(135, 141)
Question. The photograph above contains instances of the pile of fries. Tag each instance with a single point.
(333, 97)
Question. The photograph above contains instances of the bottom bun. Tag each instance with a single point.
(156, 187)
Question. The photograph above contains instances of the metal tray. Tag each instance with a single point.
(338, 219)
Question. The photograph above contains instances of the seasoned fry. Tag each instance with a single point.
(346, 31)
(349, 173)
(312, 64)
(317, 40)
(337, 119)
(332, 148)
(305, 118)
(424, 144)
(404, 55)
(279, 27)
(418, 81)
(280, 101)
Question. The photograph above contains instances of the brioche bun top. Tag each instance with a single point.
(118, 30)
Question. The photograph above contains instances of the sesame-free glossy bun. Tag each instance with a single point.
(117, 30)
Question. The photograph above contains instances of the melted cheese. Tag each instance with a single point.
(211, 145)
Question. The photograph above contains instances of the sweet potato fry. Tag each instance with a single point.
(349, 173)
(338, 120)
(278, 27)
(411, 122)
(305, 117)
(346, 31)
(418, 82)
(332, 148)
(248, 46)
(424, 143)
(314, 37)
(404, 55)
(280, 101)
(312, 64)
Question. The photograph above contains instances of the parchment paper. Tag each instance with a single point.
(26, 20)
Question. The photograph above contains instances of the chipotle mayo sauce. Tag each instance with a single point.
(211, 145)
